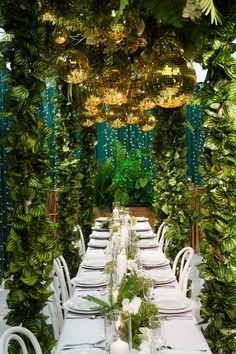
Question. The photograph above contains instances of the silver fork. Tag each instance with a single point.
(74, 345)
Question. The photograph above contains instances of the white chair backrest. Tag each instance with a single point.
(55, 312)
(81, 243)
(64, 268)
(13, 333)
(161, 236)
(184, 257)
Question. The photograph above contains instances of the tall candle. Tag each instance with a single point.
(121, 266)
(115, 213)
(119, 347)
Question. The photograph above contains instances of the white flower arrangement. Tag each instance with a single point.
(132, 307)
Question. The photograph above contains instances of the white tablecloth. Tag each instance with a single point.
(181, 331)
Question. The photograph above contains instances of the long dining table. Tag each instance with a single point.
(84, 332)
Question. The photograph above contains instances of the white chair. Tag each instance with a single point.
(181, 270)
(55, 312)
(81, 243)
(196, 286)
(61, 279)
(13, 333)
(163, 243)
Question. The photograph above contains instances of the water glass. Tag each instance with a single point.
(156, 324)
(118, 333)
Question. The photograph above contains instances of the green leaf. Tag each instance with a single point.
(168, 11)
(19, 92)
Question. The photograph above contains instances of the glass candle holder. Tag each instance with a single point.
(118, 332)
(156, 324)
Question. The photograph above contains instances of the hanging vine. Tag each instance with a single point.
(172, 185)
(30, 240)
(218, 203)
(87, 168)
(68, 177)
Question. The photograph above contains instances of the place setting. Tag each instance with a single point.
(90, 280)
(172, 304)
(94, 263)
(94, 243)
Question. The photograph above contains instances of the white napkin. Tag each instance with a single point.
(193, 338)
(152, 257)
(141, 226)
(82, 330)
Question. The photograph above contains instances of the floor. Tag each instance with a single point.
(3, 310)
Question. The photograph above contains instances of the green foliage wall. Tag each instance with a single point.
(172, 185)
(218, 212)
(30, 242)
(68, 177)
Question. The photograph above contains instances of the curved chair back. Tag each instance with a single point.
(14, 333)
(55, 312)
(81, 242)
(161, 236)
(61, 262)
(181, 266)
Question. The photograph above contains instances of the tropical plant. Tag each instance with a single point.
(123, 179)
(171, 202)
(30, 241)
(218, 202)
(87, 138)
(68, 177)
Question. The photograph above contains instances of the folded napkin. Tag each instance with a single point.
(184, 335)
(82, 330)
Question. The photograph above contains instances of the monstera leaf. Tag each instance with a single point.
(169, 11)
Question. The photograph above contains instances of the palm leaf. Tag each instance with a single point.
(168, 11)
(208, 6)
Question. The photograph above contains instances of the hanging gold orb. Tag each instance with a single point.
(171, 79)
(142, 99)
(93, 92)
(73, 66)
(47, 14)
(147, 123)
(133, 117)
(115, 85)
(100, 117)
(120, 30)
(87, 121)
(116, 116)
(60, 37)
(90, 111)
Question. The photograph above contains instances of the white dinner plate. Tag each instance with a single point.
(99, 229)
(97, 243)
(80, 305)
(145, 234)
(162, 278)
(94, 263)
(85, 350)
(102, 219)
(141, 219)
(100, 235)
(148, 243)
(90, 280)
(173, 303)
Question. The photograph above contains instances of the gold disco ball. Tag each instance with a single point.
(100, 117)
(89, 111)
(141, 98)
(115, 85)
(87, 121)
(93, 93)
(171, 79)
(73, 66)
(116, 116)
(60, 37)
(120, 30)
(133, 117)
(147, 122)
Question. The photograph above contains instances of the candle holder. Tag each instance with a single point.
(118, 332)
